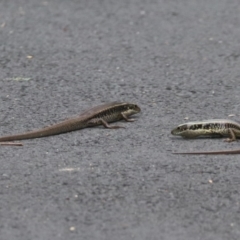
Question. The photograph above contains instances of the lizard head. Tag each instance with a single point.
(179, 130)
(130, 109)
(191, 130)
(188, 130)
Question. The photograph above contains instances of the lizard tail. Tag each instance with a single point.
(59, 128)
(236, 151)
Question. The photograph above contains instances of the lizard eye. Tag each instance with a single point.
(179, 128)
(182, 128)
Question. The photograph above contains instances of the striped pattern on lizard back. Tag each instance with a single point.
(212, 127)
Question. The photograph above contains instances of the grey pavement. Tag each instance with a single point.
(179, 60)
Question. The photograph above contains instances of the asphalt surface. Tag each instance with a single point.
(177, 60)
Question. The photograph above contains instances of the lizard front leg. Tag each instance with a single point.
(126, 118)
(233, 133)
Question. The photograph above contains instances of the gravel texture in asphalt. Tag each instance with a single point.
(179, 60)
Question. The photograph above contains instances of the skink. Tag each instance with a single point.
(211, 128)
(100, 115)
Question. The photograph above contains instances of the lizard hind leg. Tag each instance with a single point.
(94, 122)
(106, 125)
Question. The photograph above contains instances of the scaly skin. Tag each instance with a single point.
(214, 128)
(100, 115)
